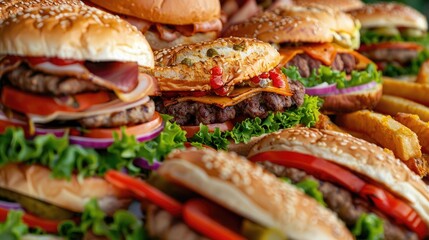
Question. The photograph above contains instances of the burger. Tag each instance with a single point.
(339, 5)
(316, 45)
(229, 88)
(356, 179)
(11, 7)
(200, 194)
(169, 23)
(394, 36)
(70, 67)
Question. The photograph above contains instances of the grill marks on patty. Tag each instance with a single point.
(27, 79)
(194, 113)
(306, 64)
(348, 206)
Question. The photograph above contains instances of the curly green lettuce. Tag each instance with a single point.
(307, 114)
(412, 68)
(124, 225)
(326, 75)
(309, 187)
(13, 228)
(368, 227)
(369, 37)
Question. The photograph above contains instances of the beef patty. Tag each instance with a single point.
(30, 80)
(400, 56)
(348, 206)
(306, 64)
(194, 113)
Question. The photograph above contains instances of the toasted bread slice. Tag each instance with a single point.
(386, 131)
(392, 105)
(188, 67)
(418, 126)
(413, 91)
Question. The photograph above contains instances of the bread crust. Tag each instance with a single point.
(315, 24)
(389, 15)
(157, 43)
(165, 11)
(248, 190)
(73, 32)
(357, 155)
(343, 103)
(339, 5)
(11, 7)
(255, 58)
(35, 181)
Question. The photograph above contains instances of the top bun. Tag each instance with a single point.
(339, 5)
(165, 11)
(356, 154)
(313, 23)
(73, 32)
(246, 189)
(390, 15)
(11, 7)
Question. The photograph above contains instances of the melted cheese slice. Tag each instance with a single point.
(236, 96)
(325, 53)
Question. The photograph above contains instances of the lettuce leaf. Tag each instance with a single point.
(64, 159)
(369, 37)
(307, 115)
(124, 225)
(326, 74)
(310, 187)
(369, 227)
(394, 70)
(13, 227)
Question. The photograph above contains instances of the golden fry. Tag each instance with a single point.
(392, 105)
(418, 126)
(423, 76)
(409, 90)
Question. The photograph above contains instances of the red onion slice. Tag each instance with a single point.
(10, 205)
(324, 89)
(144, 163)
(356, 88)
(101, 143)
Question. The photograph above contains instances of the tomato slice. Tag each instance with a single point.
(205, 217)
(144, 191)
(325, 170)
(136, 130)
(49, 226)
(64, 62)
(192, 130)
(42, 105)
(394, 45)
(36, 60)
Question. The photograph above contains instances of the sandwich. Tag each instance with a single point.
(200, 194)
(356, 179)
(316, 45)
(79, 73)
(394, 36)
(169, 23)
(229, 88)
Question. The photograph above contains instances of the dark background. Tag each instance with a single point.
(421, 5)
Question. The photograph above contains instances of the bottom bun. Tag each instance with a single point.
(344, 103)
(35, 181)
(156, 43)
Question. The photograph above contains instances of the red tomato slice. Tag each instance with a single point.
(37, 104)
(136, 130)
(36, 60)
(50, 226)
(325, 170)
(144, 191)
(64, 62)
(394, 45)
(206, 217)
(192, 130)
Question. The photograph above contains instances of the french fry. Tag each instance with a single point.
(418, 126)
(386, 131)
(326, 123)
(392, 105)
(423, 76)
(418, 165)
(409, 90)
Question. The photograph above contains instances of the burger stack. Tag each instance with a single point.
(127, 119)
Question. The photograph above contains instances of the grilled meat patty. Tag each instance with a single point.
(348, 206)
(194, 113)
(30, 80)
(400, 56)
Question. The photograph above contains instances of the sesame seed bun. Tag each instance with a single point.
(35, 181)
(73, 32)
(253, 58)
(339, 5)
(315, 24)
(357, 155)
(11, 7)
(390, 15)
(165, 11)
(246, 189)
